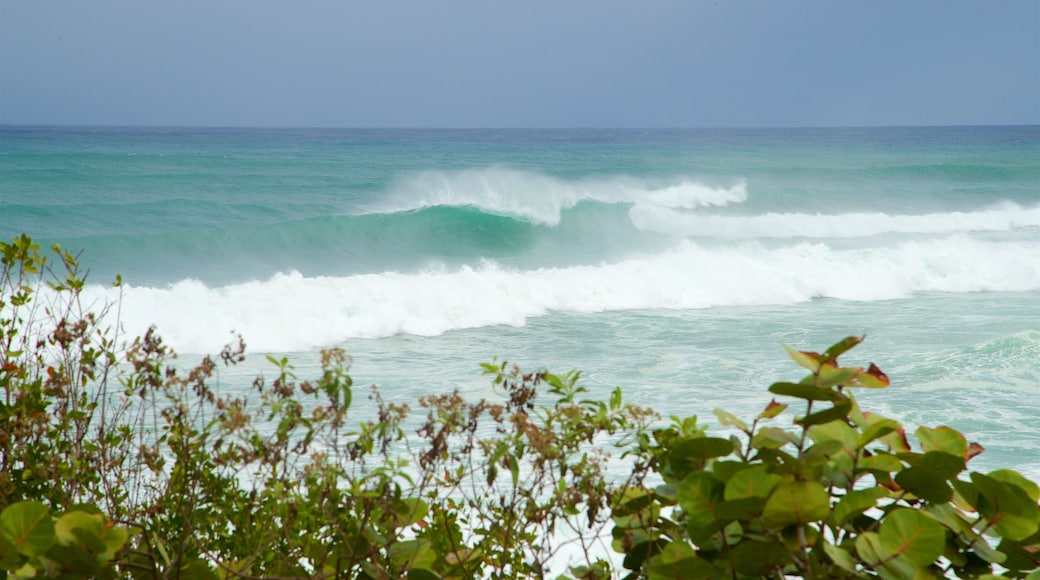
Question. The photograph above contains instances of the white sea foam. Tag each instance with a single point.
(661, 219)
(291, 312)
(540, 198)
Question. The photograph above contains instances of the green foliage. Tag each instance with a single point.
(81, 543)
(842, 495)
(117, 461)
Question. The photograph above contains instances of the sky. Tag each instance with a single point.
(524, 63)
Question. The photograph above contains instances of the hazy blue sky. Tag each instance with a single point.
(525, 63)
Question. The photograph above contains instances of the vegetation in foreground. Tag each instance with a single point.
(113, 464)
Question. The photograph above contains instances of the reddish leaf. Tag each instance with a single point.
(973, 450)
(772, 410)
(805, 359)
(897, 441)
(875, 372)
(873, 378)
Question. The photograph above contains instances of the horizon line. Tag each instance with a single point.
(496, 128)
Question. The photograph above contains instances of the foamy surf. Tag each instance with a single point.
(665, 220)
(291, 312)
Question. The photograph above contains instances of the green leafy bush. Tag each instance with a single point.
(115, 462)
(843, 494)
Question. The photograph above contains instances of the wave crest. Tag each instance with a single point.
(541, 198)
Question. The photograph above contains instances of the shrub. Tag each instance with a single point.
(116, 463)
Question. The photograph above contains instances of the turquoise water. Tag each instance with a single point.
(671, 263)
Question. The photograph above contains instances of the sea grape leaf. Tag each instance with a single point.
(9, 557)
(772, 410)
(72, 556)
(841, 347)
(804, 359)
(197, 569)
(804, 391)
(632, 501)
(1015, 478)
(740, 509)
(830, 376)
(944, 465)
(872, 378)
(1014, 514)
(925, 484)
(868, 546)
(81, 528)
(725, 470)
(753, 482)
(730, 420)
(699, 495)
(840, 410)
(28, 525)
(772, 438)
(826, 450)
(1015, 527)
(412, 554)
(678, 561)
(856, 502)
(639, 553)
(796, 502)
(1020, 556)
(692, 454)
(877, 429)
(912, 535)
(885, 462)
(942, 439)
(835, 431)
(840, 556)
(409, 511)
(858, 417)
(757, 559)
(973, 450)
(897, 441)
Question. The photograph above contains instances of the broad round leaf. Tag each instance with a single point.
(28, 525)
(754, 482)
(856, 502)
(913, 536)
(942, 439)
(699, 494)
(678, 561)
(758, 559)
(798, 502)
(840, 557)
(81, 528)
(1015, 478)
(925, 484)
(693, 454)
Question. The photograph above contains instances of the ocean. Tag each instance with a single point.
(671, 263)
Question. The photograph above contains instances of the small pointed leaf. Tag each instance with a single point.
(872, 378)
(730, 420)
(772, 410)
(804, 391)
(841, 347)
(804, 359)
